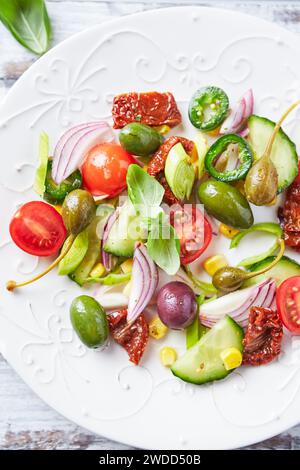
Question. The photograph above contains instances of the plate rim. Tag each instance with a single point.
(260, 436)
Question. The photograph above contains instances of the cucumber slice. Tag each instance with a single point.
(126, 230)
(202, 363)
(284, 269)
(283, 154)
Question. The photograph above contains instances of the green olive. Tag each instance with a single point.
(140, 139)
(225, 203)
(228, 279)
(261, 182)
(78, 210)
(89, 321)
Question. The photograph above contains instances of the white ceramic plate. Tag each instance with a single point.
(174, 49)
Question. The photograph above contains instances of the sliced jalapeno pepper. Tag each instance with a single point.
(208, 108)
(244, 155)
(56, 193)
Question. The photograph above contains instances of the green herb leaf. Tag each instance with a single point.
(29, 23)
(41, 172)
(144, 191)
(163, 245)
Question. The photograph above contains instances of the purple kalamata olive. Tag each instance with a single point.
(176, 305)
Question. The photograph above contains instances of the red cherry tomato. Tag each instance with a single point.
(38, 229)
(193, 230)
(288, 303)
(104, 169)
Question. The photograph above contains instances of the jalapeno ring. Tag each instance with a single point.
(244, 154)
(56, 193)
(208, 108)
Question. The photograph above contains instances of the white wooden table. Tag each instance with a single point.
(25, 421)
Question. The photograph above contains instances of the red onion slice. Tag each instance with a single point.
(108, 259)
(73, 146)
(249, 101)
(63, 140)
(261, 295)
(144, 280)
(237, 119)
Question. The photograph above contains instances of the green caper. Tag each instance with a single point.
(228, 279)
(140, 139)
(89, 321)
(261, 182)
(78, 210)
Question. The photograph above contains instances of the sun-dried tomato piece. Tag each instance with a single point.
(289, 216)
(152, 108)
(133, 338)
(262, 341)
(157, 164)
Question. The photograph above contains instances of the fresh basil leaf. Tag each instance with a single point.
(163, 245)
(29, 23)
(144, 191)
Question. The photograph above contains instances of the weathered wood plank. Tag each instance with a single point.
(25, 421)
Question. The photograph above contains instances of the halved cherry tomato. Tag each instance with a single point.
(38, 229)
(288, 303)
(104, 169)
(193, 230)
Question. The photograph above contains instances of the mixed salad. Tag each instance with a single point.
(136, 206)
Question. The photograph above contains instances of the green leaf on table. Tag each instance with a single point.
(144, 191)
(163, 245)
(29, 23)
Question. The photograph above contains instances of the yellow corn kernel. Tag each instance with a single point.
(168, 356)
(163, 129)
(227, 231)
(127, 289)
(194, 155)
(57, 208)
(212, 264)
(157, 329)
(98, 270)
(272, 203)
(214, 132)
(231, 358)
(126, 266)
